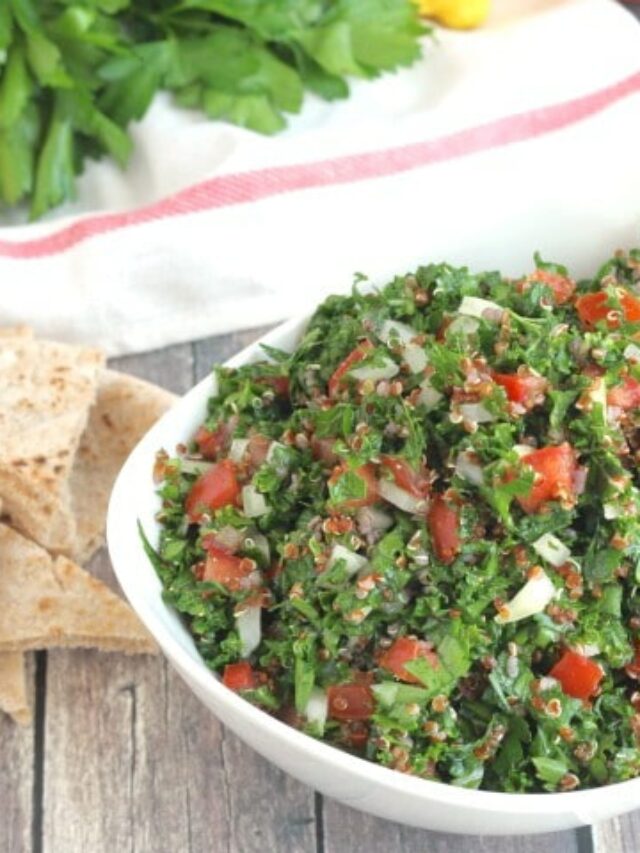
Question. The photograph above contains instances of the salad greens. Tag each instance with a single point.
(417, 536)
(75, 73)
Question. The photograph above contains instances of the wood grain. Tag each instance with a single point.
(621, 835)
(17, 774)
(346, 829)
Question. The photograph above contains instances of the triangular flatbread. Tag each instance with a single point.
(20, 331)
(13, 687)
(46, 390)
(125, 409)
(49, 602)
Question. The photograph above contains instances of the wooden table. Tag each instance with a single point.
(122, 758)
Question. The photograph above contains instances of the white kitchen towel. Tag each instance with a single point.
(523, 136)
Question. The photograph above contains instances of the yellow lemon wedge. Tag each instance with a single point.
(459, 14)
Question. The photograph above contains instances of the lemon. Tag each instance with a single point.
(459, 14)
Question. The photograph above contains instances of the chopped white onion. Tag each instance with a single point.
(547, 683)
(253, 502)
(354, 562)
(463, 325)
(532, 598)
(238, 449)
(248, 626)
(229, 538)
(476, 413)
(387, 370)
(468, 468)
(632, 352)
(472, 306)
(588, 650)
(612, 511)
(372, 520)
(415, 357)
(195, 466)
(552, 550)
(523, 449)
(401, 498)
(392, 330)
(428, 397)
(317, 707)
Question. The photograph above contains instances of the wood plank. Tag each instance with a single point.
(621, 835)
(348, 830)
(17, 777)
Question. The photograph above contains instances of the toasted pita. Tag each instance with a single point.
(124, 410)
(46, 390)
(47, 602)
(13, 687)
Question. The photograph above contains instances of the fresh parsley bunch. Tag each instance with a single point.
(74, 73)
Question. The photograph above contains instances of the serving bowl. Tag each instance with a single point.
(354, 781)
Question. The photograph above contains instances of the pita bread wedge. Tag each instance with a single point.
(13, 687)
(46, 390)
(51, 602)
(124, 410)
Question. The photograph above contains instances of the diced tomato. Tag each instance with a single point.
(350, 702)
(555, 476)
(593, 307)
(226, 569)
(367, 473)
(578, 676)
(524, 389)
(358, 354)
(216, 488)
(443, 525)
(239, 676)
(625, 396)
(211, 442)
(403, 650)
(562, 287)
(406, 477)
(258, 448)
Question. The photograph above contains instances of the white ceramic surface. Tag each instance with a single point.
(358, 783)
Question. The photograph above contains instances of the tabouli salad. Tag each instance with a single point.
(417, 536)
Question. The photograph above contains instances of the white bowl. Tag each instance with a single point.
(352, 780)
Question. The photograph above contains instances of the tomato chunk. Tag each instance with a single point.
(211, 442)
(258, 448)
(578, 676)
(226, 569)
(366, 473)
(562, 287)
(593, 307)
(358, 354)
(217, 488)
(555, 476)
(528, 390)
(406, 477)
(350, 702)
(443, 523)
(239, 676)
(625, 396)
(403, 650)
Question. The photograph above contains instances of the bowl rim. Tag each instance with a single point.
(543, 804)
